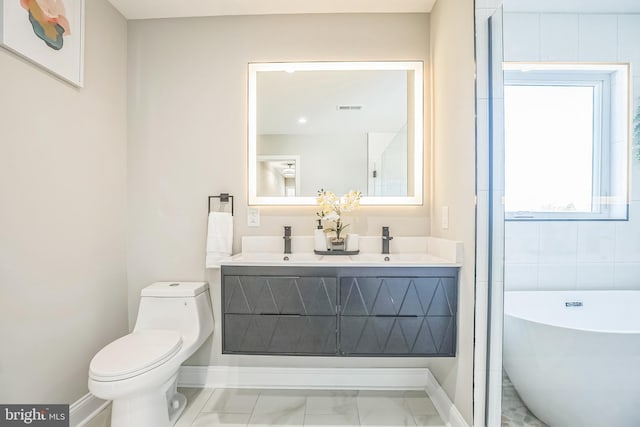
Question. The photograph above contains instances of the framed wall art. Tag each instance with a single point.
(49, 33)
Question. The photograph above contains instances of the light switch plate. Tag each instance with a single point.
(445, 217)
(253, 217)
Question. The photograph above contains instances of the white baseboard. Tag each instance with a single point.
(84, 409)
(448, 412)
(308, 378)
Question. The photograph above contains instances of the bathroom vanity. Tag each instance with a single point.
(365, 305)
(339, 311)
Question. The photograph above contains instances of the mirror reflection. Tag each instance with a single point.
(339, 126)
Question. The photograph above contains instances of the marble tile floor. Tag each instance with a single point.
(320, 408)
(514, 412)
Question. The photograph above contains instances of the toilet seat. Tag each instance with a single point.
(134, 354)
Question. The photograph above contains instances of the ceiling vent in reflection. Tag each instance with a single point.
(349, 107)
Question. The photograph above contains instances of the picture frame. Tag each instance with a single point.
(48, 33)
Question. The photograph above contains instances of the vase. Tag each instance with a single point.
(337, 244)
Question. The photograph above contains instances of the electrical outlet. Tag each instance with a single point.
(253, 217)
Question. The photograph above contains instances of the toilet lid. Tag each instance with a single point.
(135, 354)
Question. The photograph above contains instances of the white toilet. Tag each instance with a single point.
(139, 371)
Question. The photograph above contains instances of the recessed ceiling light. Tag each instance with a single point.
(302, 120)
(289, 171)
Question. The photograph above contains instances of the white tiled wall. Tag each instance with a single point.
(575, 254)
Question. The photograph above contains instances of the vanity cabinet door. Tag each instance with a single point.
(280, 295)
(279, 314)
(280, 334)
(413, 316)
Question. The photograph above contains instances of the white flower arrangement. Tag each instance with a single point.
(333, 207)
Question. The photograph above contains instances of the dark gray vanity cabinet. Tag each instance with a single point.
(340, 311)
(276, 311)
(399, 315)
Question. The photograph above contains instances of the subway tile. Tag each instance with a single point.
(559, 37)
(496, 323)
(558, 242)
(497, 55)
(521, 37)
(481, 319)
(626, 276)
(634, 181)
(628, 36)
(482, 236)
(635, 177)
(598, 37)
(521, 242)
(521, 277)
(596, 242)
(482, 145)
(482, 53)
(497, 144)
(557, 277)
(595, 276)
(488, 4)
(497, 258)
(627, 242)
(618, 154)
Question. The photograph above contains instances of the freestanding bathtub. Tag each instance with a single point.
(574, 357)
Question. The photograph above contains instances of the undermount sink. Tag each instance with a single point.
(267, 257)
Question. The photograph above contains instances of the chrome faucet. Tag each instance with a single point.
(385, 240)
(287, 239)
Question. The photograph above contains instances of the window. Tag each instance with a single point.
(566, 128)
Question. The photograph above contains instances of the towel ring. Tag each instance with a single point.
(224, 198)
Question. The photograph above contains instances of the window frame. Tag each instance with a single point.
(600, 77)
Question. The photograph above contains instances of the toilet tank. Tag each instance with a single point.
(181, 306)
(174, 289)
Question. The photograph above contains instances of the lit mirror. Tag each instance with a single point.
(339, 126)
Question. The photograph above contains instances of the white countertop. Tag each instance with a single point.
(360, 260)
(405, 252)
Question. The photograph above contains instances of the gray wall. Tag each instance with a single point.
(62, 191)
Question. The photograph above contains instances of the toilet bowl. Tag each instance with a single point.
(139, 371)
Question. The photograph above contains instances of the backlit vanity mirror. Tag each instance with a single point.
(339, 126)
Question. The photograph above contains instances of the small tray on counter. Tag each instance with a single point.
(336, 252)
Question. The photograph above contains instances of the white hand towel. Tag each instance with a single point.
(219, 237)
